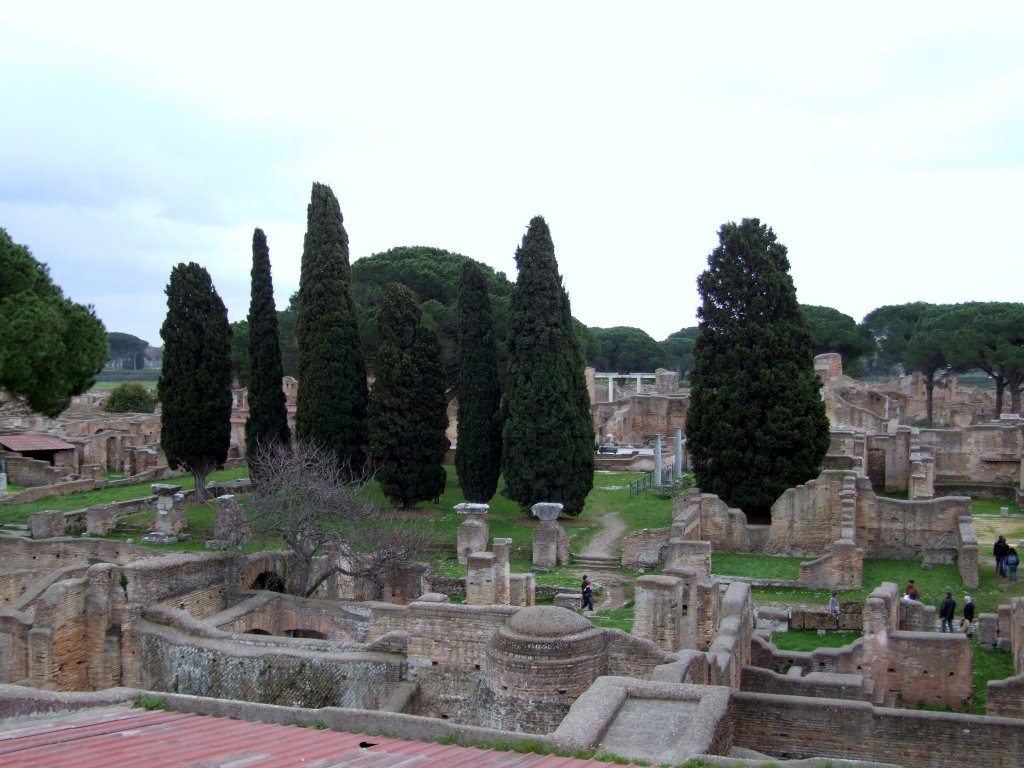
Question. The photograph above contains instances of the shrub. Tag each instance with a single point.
(130, 397)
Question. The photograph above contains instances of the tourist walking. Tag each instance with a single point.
(947, 610)
(587, 592)
(1000, 550)
(967, 625)
(1012, 561)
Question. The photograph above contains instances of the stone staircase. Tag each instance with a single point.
(596, 563)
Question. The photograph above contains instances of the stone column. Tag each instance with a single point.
(501, 548)
(231, 525)
(677, 466)
(480, 579)
(473, 533)
(3, 484)
(659, 611)
(170, 517)
(548, 536)
(657, 461)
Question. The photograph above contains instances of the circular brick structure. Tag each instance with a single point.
(537, 665)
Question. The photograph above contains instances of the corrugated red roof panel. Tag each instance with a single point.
(22, 443)
(128, 737)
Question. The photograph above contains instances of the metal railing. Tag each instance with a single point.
(642, 484)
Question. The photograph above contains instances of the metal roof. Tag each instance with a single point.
(157, 739)
(22, 443)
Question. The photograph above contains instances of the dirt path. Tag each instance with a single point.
(606, 543)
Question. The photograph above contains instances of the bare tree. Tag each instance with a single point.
(321, 512)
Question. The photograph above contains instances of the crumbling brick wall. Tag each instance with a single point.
(795, 727)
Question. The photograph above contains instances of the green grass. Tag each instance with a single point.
(809, 640)
(756, 566)
(505, 519)
(988, 665)
(991, 506)
(18, 513)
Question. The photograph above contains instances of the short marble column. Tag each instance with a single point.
(3, 484)
(170, 514)
(550, 541)
(473, 533)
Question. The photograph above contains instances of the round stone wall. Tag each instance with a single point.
(537, 665)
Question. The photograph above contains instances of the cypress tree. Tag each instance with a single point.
(332, 397)
(756, 424)
(548, 434)
(408, 408)
(195, 382)
(478, 458)
(268, 410)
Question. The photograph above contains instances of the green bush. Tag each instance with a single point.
(130, 397)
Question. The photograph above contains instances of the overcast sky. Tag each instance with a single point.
(883, 142)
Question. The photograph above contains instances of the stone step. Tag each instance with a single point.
(597, 563)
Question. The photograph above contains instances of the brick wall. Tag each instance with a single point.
(805, 519)
(59, 489)
(449, 663)
(172, 661)
(14, 640)
(23, 554)
(817, 684)
(646, 548)
(58, 653)
(21, 470)
(794, 727)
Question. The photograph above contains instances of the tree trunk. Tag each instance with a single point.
(1000, 387)
(199, 474)
(1015, 384)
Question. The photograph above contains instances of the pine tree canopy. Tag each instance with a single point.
(268, 410)
(548, 434)
(478, 458)
(332, 397)
(756, 424)
(408, 408)
(195, 382)
(50, 347)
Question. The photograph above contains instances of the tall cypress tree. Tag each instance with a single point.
(268, 410)
(332, 397)
(478, 458)
(756, 424)
(548, 451)
(195, 381)
(408, 407)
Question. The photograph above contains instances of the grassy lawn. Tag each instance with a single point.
(18, 513)
(809, 640)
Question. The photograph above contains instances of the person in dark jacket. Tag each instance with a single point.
(587, 593)
(947, 610)
(967, 625)
(1010, 564)
(1000, 549)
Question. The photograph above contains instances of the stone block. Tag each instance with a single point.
(47, 524)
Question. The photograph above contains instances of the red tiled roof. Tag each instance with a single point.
(22, 443)
(127, 737)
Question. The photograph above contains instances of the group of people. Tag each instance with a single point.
(947, 613)
(1006, 559)
(947, 609)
